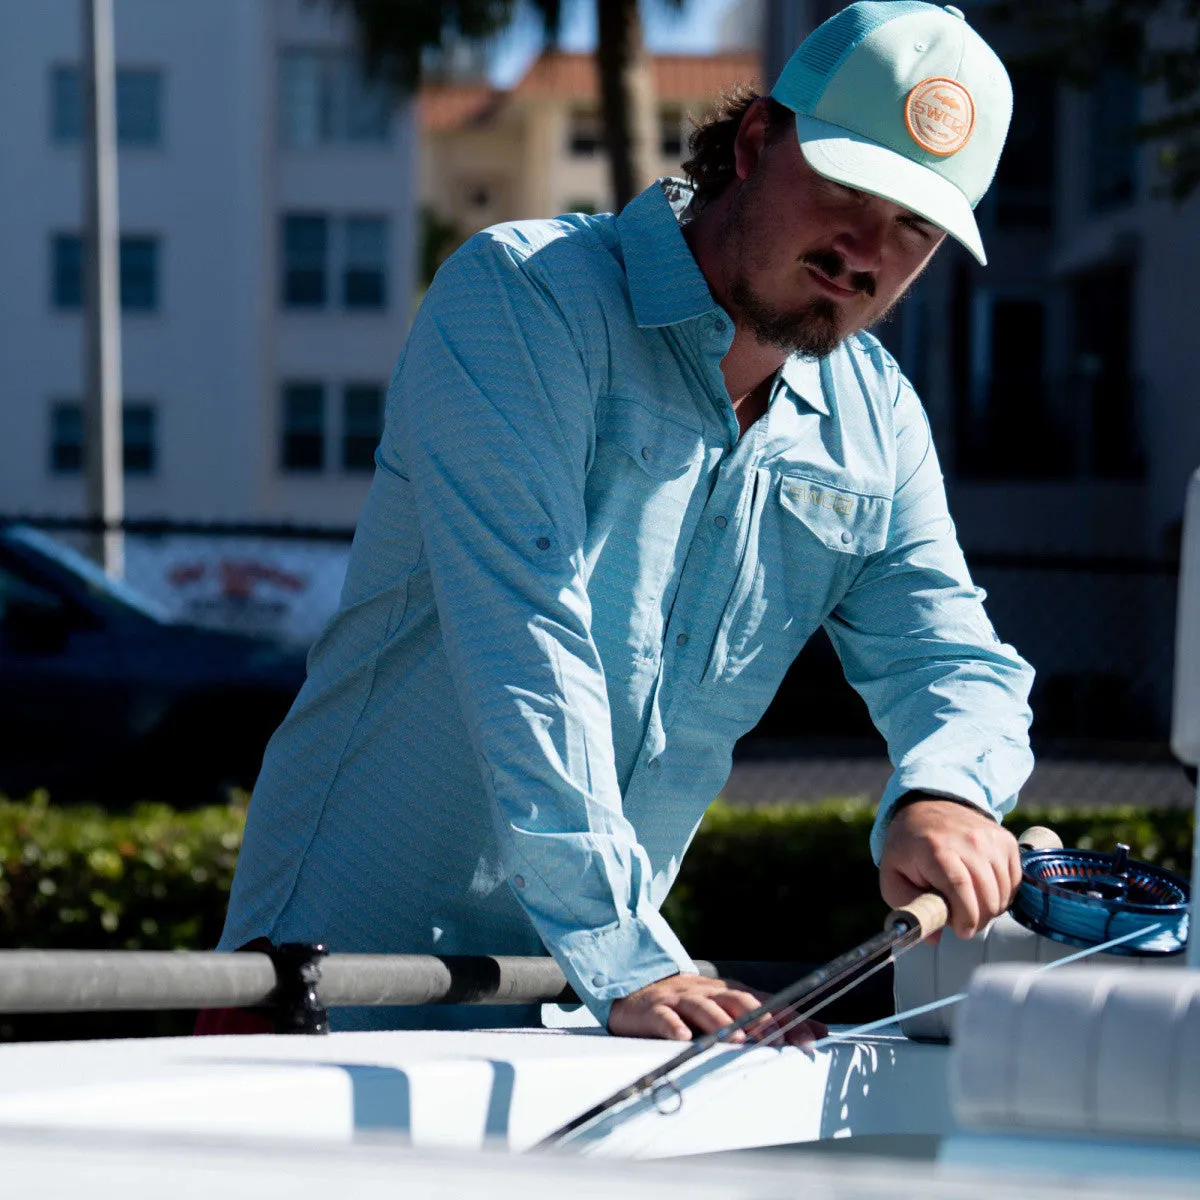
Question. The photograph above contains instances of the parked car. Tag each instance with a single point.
(103, 696)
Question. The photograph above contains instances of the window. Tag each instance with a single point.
(66, 104)
(139, 449)
(303, 441)
(1024, 193)
(1102, 388)
(139, 108)
(585, 137)
(305, 245)
(139, 105)
(364, 279)
(324, 99)
(66, 438)
(66, 271)
(670, 131)
(139, 441)
(368, 105)
(1112, 152)
(1007, 424)
(362, 424)
(358, 255)
(139, 272)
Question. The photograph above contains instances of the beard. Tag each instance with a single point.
(812, 330)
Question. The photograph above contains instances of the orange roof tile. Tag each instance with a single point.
(677, 78)
(443, 106)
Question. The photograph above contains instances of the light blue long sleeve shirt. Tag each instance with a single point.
(574, 587)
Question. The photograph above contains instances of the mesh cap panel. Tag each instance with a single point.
(829, 45)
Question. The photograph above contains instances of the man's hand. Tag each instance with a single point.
(681, 1006)
(961, 853)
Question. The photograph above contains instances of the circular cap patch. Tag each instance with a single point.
(940, 115)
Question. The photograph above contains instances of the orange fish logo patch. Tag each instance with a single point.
(940, 115)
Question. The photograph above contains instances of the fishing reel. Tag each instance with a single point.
(1090, 897)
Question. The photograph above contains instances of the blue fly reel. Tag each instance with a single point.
(1088, 897)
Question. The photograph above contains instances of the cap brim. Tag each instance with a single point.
(853, 160)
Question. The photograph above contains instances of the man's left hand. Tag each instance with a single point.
(935, 845)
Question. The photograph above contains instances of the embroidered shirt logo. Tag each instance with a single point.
(806, 493)
(940, 115)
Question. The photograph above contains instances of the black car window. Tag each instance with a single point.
(18, 591)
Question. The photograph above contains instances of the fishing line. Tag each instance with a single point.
(1078, 897)
(653, 1095)
(869, 1027)
(1133, 936)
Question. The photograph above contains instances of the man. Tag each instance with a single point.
(630, 464)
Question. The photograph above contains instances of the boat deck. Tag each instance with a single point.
(465, 1090)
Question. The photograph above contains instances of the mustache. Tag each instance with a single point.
(831, 263)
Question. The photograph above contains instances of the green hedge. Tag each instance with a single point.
(147, 879)
(778, 883)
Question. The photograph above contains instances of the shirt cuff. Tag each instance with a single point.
(952, 783)
(602, 965)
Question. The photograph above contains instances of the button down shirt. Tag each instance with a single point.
(572, 589)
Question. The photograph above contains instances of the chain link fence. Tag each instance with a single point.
(1099, 631)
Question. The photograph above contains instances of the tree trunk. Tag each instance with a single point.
(626, 98)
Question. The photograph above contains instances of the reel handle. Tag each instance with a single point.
(929, 912)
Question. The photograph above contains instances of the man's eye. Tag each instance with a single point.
(919, 226)
(842, 192)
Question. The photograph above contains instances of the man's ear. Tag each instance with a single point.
(751, 137)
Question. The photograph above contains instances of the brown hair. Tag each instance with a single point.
(711, 165)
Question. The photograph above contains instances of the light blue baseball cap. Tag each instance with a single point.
(906, 101)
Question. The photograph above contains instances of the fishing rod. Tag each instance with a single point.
(904, 928)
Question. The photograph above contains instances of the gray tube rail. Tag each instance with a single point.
(64, 981)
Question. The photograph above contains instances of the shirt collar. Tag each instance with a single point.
(665, 284)
(803, 377)
(667, 287)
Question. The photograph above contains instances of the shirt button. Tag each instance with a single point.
(519, 880)
(720, 522)
(681, 640)
(543, 543)
(847, 537)
(646, 454)
(719, 325)
(653, 765)
(599, 980)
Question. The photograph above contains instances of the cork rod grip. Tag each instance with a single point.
(1038, 837)
(929, 911)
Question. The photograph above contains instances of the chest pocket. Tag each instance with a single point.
(851, 523)
(662, 447)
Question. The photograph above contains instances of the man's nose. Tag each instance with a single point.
(860, 243)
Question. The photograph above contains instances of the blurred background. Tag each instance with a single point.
(287, 176)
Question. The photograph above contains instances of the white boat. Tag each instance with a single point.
(1054, 1078)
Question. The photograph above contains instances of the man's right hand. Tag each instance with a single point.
(680, 1006)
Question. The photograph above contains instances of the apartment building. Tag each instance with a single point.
(266, 260)
(535, 149)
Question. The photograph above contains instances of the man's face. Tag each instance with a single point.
(807, 261)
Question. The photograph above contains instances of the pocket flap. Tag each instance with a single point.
(849, 522)
(662, 447)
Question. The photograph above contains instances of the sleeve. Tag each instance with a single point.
(948, 696)
(491, 411)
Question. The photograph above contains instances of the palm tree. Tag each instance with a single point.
(396, 36)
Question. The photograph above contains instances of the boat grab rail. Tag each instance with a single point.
(295, 977)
